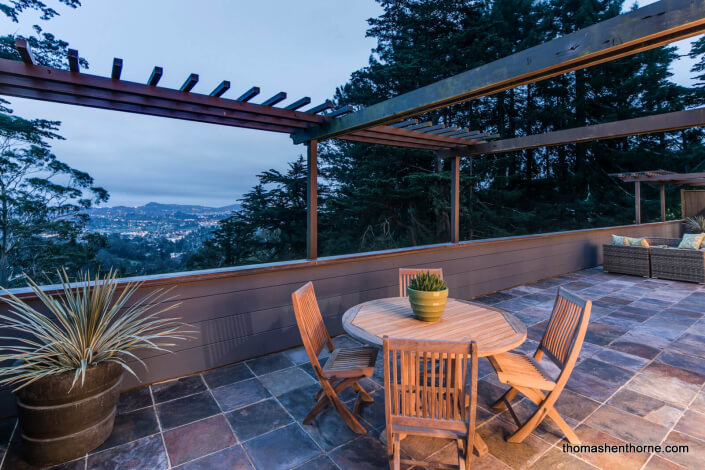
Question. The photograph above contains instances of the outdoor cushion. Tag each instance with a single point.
(692, 241)
(617, 240)
(636, 241)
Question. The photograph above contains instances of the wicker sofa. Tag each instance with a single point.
(634, 260)
(678, 265)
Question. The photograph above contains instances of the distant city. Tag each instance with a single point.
(155, 221)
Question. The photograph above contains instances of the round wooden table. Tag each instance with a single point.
(494, 330)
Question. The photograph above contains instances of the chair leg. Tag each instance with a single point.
(500, 405)
(461, 454)
(349, 419)
(397, 453)
(317, 408)
(361, 391)
(567, 430)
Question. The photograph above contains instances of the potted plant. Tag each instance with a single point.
(66, 365)
(427, 295)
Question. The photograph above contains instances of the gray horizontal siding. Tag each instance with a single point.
(246, 312)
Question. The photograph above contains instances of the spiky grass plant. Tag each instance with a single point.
(92, 323)
(695, 224)
(425, 281)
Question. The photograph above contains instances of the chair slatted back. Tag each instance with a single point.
(310, 322)
(570, 312)
(426, 384)
(407, 274)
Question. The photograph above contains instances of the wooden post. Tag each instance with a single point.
(455, 200)
(662, 189)
(312, 200)
(637, 202)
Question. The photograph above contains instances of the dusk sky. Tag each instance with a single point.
(305, 48)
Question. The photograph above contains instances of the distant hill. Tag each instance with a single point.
(158, 210)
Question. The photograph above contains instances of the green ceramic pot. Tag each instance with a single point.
(427, 306)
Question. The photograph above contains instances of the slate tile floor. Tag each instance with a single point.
(639, 380)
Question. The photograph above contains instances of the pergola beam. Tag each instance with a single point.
(455, 200)
(221, 88)
(299, 103)
(281, 96)
(155, 76)
(189, 83)
(24, 50)
(249, 94)
(117, 69)
(312, 200)
(645, 28)
(611, 130)
(73, 61)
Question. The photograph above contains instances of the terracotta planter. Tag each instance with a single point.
(427, 306)
(58, 423)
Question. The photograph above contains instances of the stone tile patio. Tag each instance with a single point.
(639, 380)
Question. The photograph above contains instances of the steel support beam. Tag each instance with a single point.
(637, 202)
(611, 130)
(646, 28)
(455, 200)
(312, 200)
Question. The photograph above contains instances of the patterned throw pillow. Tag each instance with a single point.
(692, 241)
(617, 240)
(636, 241)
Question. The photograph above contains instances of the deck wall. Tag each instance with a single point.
(246, 312)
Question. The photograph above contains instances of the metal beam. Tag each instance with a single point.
(408, 122)
(645, 28)
(321, 107)
(444, 131)
(312, 200)
(455, 200)
(156, 76)
(117, 69)
(433, 128)
(189, 83)
(643, 125)
(299, 103)
(417, 127)
(73, 61)
(249, 94)
(220, 89)
(637, 202)
(281, 96)
(24, 51)
(340, 111)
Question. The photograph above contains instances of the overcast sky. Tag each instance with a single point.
(305, 48)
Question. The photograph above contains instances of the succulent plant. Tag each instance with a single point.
(695, 224)
(425, 281)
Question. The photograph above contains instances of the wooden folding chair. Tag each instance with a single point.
(426, 394)
(344, 367)
(407, 274)
(561, 343)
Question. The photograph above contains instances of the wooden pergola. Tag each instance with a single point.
(660, 178)
(391, 122)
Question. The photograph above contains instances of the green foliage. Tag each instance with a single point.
(427, 282)
(695, 224)
(89, 324)
(41, 203)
